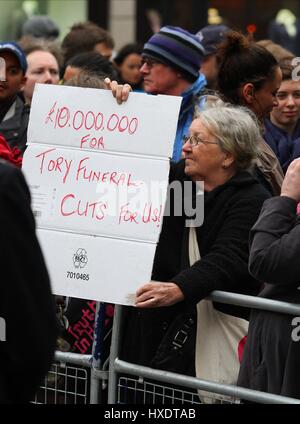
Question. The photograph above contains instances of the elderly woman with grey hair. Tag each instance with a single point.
(220, 151)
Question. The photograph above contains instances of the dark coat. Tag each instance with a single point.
(271, 360)
(14, 129)
(26, 302)
(230, 211)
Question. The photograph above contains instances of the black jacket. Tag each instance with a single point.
(230, 211)
(14, 129)
(26, 302)
(271, 360)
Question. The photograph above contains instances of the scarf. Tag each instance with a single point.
(12, 155)
(285, 146)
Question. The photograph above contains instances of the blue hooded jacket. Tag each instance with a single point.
(187, 109)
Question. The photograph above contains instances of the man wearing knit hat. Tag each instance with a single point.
(171, 62)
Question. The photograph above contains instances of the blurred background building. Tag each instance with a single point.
(136, 20)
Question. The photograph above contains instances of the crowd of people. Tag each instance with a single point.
(238, 131)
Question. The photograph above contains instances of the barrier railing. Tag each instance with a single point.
(118, 366)
(74, 378)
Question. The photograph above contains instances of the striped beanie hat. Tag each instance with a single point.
(177, 48)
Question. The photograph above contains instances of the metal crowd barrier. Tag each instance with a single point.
(148, 391)
(68, 381)
(74, 380)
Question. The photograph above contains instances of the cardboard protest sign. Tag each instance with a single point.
(98, 175)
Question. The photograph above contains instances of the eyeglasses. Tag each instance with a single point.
(150, 62)
(195, 140)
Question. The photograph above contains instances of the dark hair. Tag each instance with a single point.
(242, 61)
(83, 37)
(126, 50)
(93, 63)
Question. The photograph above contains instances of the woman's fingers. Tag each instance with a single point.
(107, 82)
(156, 294)
(145, 296)
(144, 289)
(119, 91)
(125, 92)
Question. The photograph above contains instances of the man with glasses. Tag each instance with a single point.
(171, 62)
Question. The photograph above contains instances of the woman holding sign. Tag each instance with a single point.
(191, 262)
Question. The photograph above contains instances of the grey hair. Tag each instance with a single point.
(236, 130)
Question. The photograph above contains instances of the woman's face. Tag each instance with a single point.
(287, 113)
(265, 98)
(205, 160)
(130, 69)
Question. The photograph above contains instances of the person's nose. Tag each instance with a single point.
(186, 148)
(290, 102)
(48, 79)
(144, 69)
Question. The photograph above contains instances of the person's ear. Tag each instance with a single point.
(228, 160)
(23, 82)
(248, 92)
